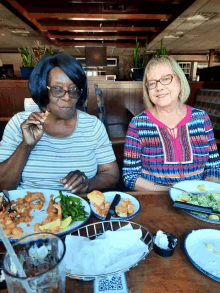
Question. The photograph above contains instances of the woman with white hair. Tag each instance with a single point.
(169, 141)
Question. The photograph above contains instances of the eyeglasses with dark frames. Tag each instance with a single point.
(59, 92)
(165, 80)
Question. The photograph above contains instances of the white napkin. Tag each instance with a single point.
(108, 253)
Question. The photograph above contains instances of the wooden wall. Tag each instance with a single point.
(123, 100)
(12, 95)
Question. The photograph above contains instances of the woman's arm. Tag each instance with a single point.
(212, 167)
(107, 177)
(11, 168)
(132, 162)
(132, 156)
(107, 174)
(144, 185)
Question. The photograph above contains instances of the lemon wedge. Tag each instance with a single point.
(50, 225)
(65, 223)
(201, 188)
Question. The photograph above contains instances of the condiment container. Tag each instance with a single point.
(172, 244)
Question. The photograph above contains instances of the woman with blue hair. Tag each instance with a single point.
(69, 149)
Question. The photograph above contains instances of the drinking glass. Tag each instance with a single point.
(42, 258)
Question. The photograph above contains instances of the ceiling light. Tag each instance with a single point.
(171, 37)
(201, 16)
(19, 31)
(179, 33)
(96, 19)
(79, 46)
(88, 31)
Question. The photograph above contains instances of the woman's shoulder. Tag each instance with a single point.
(141, 118)
(88, 121)
(19, 118)
(87, 117)
(198, 113)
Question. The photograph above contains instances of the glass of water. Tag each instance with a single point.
(42, 258)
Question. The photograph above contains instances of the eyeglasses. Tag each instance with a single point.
(59, 92)
(165, 80)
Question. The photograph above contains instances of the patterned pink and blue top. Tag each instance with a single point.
(153, 151)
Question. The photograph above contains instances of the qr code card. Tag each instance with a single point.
(111, 283)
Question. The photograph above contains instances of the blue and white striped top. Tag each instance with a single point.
(53, 158)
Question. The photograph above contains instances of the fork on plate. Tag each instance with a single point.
(189, 192)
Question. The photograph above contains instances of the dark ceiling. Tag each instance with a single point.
(98, 23)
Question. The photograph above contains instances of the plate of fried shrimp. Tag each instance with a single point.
(32, 209)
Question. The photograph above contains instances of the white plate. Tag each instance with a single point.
(40, 215)
(203, 258)
(109, 196)
(191, 186)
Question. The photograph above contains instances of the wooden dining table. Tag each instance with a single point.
(156, 274)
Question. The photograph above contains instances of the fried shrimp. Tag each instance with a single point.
(46, 113)
(54, 212)
(17, 231)
(8, 231)
(35, 196)
(36, 227)
(21, 213)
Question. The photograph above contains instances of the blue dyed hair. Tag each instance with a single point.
(39, 77)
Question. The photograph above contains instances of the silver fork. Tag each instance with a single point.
(191, 193)
(6, 194)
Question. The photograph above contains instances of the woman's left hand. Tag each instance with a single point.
(76, 182)
(213, 179)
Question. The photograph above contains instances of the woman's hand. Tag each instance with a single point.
(76, 182)
(213, 179)
(32, 128)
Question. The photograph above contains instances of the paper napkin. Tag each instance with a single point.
(108, 253)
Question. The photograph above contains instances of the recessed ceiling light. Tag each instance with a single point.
(19, 31)
(171, 37)
(201, 16)
(96, 19)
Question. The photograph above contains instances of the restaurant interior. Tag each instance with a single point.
(102, 35)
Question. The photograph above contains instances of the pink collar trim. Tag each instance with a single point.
(181, 123)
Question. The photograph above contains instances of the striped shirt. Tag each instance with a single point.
(53, 158)
(153, 153)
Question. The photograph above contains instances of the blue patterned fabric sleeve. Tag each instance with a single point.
(132, 157)
(212, 167)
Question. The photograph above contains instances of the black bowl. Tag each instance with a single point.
(172, 245)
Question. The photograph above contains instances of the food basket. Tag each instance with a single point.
(91, 231)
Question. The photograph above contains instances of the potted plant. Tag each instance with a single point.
(161, 51)
(30, 56)
(139, 62)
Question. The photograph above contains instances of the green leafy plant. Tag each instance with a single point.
(30, 56)
(138, 58)
(162, 51)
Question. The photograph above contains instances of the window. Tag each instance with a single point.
(186, 67)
